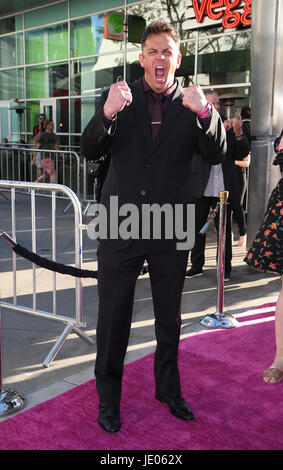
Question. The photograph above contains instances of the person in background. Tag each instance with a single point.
(39, 127)
(266, 254)
(240, 179)
(245, 117)
(36, 133)
(47, 141)
(24, 174)
(209, 181)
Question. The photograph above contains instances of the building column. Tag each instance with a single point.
(266, 105)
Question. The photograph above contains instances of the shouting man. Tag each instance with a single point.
(152, 128)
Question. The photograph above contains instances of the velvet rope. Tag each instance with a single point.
(52, 265)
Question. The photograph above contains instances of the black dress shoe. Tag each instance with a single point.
(109, 418)
(194, 272)
(177, 406)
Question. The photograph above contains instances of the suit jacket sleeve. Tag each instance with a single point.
(96, 141)
(211, 143)
(240, 147)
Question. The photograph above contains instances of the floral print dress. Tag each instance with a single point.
(266, 251)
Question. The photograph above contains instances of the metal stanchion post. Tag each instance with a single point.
(220, 319)
(10, 400)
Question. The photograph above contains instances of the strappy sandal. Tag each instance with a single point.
(274, 374)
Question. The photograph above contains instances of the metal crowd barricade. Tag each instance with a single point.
(16, 165)
(10, 399)
(71, 169)
(72, 324)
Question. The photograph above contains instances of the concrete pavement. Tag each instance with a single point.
(26, 340)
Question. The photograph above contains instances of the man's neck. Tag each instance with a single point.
(169, 89)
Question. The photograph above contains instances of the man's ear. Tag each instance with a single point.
(141, 59)
(179, 61)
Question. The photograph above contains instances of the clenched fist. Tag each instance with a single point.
(119, 96)
(237, 126)
(194, 99)
(227, 125)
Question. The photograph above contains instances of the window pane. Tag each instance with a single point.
(186, 72)
(87, 37)
(224, 60)
(47, 44)
(35, 46)
(82, 110)
(36, 82)
(15, 117)
(82, 77)
(11, 84)
(46, 15)
(58, 42)
(92, 76)
(4, 119)
(134, 69)
(76, 115)
(58, 79)
(8, 25)
(11, 50)
(75, 143)
(32, 114)
(175, 12)
(47, 81)
(62, 140)
(62, 115)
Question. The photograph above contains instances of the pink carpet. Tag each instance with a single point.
(221, 379)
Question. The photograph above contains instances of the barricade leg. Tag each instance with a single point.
(57, 346)
(10, 400)
(76, 324)
(220, 319)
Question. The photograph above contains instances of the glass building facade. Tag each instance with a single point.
(55, 59)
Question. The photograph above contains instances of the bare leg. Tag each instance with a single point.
(278, 360)
(242, 241)
(53, 177)
(40, 178)
(39, 175)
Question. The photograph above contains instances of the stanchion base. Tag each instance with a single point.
(219, 320)
(10, 401)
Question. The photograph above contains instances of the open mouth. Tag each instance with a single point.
(159, 73)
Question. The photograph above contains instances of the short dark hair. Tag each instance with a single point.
(246, 112)
(210, 92)
(46, 122)
(158, 27)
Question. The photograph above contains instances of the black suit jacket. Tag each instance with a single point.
(145, 172)
(236, 150)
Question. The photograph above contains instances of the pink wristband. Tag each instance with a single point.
(205, 111)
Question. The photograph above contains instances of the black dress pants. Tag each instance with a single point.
(202, 208)
(118, 271)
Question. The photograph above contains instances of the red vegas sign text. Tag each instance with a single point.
(230, 17)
